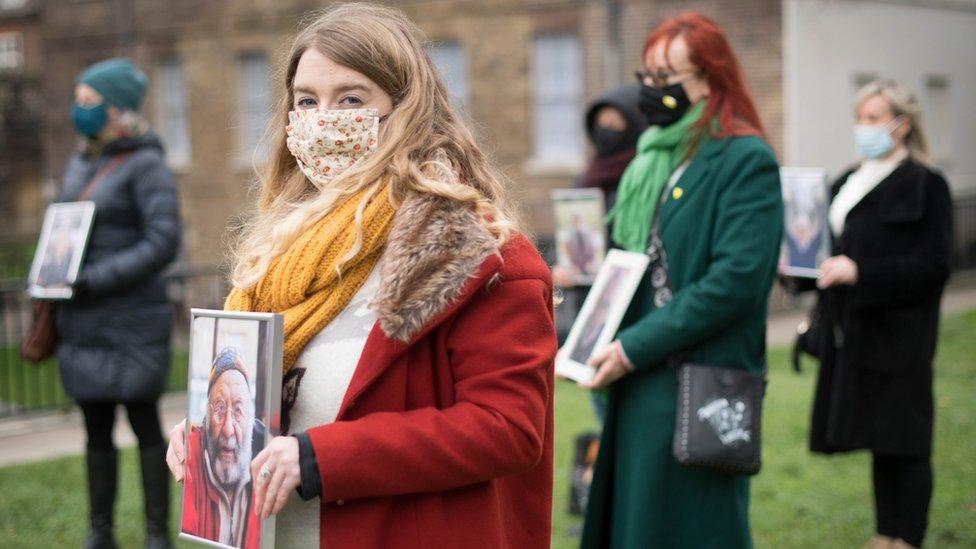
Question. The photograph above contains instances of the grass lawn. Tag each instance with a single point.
(799, 500)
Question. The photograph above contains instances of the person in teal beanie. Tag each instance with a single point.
(109, 94)
(114, 334)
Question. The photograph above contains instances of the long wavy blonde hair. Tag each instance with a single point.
(423, 145)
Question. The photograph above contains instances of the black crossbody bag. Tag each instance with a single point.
(718, 410)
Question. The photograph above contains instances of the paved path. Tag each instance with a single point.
(53, 435)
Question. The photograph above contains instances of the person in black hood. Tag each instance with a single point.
(613, 123)
(114, 334)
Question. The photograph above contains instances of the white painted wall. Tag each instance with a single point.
(828, 43)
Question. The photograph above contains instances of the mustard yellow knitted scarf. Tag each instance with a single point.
(303, 283)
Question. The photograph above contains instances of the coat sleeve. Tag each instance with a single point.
(917, 272)
(745, 243)
(154, 195)
(501, 348)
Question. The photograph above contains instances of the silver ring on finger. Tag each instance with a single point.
(265, 473)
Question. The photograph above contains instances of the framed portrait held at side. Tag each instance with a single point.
(806, 234)
(60, 250)
(233, 411)
(580, 238)
(601, 313)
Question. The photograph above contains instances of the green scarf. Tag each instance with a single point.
(659, 152)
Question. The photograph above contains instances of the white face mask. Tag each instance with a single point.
(327, 142)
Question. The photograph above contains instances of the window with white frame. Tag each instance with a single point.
(172, 121)
(939, 117)
(11, 50)
(254, 91)
(557, 70)
(12, 4)
(450, 61)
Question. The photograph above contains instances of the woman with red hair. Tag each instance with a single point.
(707, 182)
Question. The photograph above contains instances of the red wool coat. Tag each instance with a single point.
(446, 440)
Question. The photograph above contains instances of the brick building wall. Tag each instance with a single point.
(21, 103)
(209, 37)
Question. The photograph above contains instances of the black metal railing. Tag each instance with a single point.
(965, 237)
(28, 388)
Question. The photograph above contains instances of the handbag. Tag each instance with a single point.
(718, 410)
(41, 339)
(807, 339)
(717, 423)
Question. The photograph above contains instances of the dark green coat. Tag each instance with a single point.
(721, 231)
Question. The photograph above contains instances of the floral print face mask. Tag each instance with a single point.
(327, 142)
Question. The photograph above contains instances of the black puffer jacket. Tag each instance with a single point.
(114, 336)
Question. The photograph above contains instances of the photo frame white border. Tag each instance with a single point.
(788, 172)
(87, 209)
(580, 193)
(273, 326)
(636, 265)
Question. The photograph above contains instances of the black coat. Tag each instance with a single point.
(114, 336)
(878, 337)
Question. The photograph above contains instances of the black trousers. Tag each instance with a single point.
(100, 420)
(902, 491)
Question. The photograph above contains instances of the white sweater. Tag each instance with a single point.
(329, 361)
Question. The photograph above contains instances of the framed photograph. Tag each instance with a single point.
(60, 249)
(233, 411)
(601, 313)
(580, 232)
(806, 234)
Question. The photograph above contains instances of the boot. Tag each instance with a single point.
(102, 480)
(155, 487)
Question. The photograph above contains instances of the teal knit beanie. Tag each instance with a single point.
(118, 80)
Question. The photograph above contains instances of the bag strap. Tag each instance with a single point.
(102, 172)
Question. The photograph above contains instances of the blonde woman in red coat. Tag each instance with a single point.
(420, 413)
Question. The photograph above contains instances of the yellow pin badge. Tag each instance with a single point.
(669, 101)
(677, 193)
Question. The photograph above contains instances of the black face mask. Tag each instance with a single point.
(607, 141)
(663, 106)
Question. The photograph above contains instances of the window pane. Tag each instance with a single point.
(254, 93)
(558, 96)
(171, 117)
(11, 50)
(12, 4)
(939, 117)
(450, 61)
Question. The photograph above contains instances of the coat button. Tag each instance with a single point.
(340, 502)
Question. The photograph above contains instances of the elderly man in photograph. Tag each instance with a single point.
(217, 487)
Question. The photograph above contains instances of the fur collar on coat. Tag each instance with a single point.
(434, 247)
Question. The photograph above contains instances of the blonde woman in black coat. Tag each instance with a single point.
(891, 219)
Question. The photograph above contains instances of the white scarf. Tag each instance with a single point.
(859, 184)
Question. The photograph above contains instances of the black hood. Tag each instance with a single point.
(625, 100)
